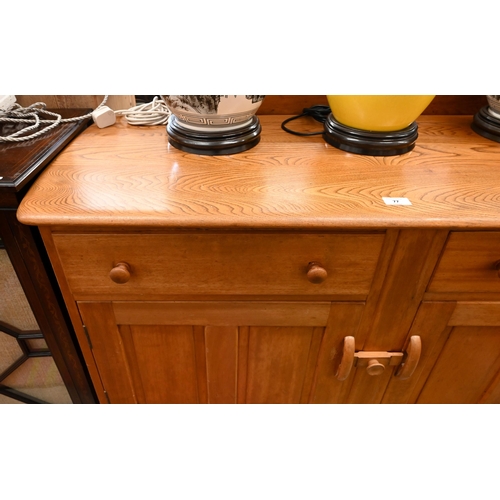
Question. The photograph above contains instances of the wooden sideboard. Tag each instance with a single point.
(236, 279)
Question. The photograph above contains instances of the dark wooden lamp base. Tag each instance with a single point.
(486, 125)
(213, 143)
(364, 142)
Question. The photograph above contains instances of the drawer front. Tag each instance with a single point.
(215, 264)
(468, 264)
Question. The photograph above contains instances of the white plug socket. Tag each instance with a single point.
(104, 117)
(6, 102)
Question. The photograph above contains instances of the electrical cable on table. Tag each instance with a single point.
(319, 113)
(36, 115)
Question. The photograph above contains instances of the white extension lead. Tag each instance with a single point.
(153, 113)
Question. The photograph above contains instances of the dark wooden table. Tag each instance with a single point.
(20, 164)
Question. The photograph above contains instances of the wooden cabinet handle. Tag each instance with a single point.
(375, 362)
(375, 367)
(120, 273)
(347, 359)
(316, 273)
(413, 351)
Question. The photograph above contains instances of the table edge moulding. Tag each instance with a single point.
(255, 267)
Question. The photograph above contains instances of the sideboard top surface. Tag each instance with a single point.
(129, 176)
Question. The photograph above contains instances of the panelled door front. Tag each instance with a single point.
(220, 352)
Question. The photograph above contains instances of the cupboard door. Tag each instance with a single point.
(216, 352)
(143, 363)
(460, 361)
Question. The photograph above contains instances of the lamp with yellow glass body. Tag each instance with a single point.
(378, 125)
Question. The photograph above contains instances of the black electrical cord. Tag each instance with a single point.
(319, 113)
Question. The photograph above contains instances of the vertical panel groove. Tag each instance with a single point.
(200, 363)
(242, 371)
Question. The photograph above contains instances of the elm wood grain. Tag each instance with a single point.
(492, 394)
(222, 313)
(166, 359)
(270, 363)
(431, 325)
(469, 264)
(277, 364)
(126, 176)
(412, 262)
(257, 365)
(241, 385)
(460, 356)
(461, 297)
(142, 363)
(367, 389)
(107, 349)
(312, 361)
(406, 261)
(343, 321)
(452, 130)
(377, 287)
(242, 263)
(127, 339)
(467, 364)
(176, 360)
(475, 314)
(200, 350)
(222, 364)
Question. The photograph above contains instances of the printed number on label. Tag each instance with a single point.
(396, 201)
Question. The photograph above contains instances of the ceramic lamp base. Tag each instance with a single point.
(213, 143)
(364, 142)
(486, 125)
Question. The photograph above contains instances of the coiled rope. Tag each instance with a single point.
(31, 116)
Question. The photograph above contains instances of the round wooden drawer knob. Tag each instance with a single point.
(375, 367)
(120, 273)
(316, 273)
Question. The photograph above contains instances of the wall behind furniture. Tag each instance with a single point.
(441, 105)
(78, 101)
(272, 104)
